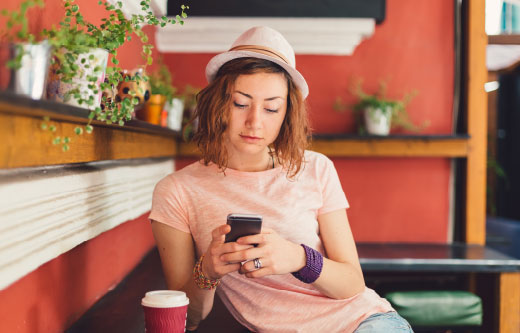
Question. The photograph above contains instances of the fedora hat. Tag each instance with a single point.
(263, 43)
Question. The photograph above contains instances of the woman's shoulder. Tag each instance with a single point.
(316, 158)
(189, 173)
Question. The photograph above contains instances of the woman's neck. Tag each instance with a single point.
(252, 163)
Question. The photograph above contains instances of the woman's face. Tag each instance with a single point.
(258, 107)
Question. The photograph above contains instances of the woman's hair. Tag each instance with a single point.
(213, 112)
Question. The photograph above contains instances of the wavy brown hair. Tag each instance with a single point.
(213, 112)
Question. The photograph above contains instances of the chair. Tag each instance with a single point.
(438, 310)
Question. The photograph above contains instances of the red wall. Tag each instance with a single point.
(53, 296)
(392, 199)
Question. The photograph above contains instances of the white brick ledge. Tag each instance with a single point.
(47, 212)
(335, 36)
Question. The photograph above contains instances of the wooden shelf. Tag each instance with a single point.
(338, 145)
(25, 144)
(391, 146)
(513, 39)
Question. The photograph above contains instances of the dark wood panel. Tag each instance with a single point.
(504, 39)
(283, 8)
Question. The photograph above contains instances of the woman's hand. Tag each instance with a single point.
(213, 267)
(276, 255)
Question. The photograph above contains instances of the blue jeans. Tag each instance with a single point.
(384, 323)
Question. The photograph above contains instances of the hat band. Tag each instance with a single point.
(261, 49)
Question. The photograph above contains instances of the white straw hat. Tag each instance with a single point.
(264, 43)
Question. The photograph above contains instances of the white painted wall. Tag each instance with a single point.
(47, 211)
(336, 36)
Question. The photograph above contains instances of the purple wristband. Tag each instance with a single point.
(312, 270)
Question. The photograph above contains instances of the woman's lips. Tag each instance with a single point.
(250, 139)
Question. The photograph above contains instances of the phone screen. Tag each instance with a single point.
(243, 225)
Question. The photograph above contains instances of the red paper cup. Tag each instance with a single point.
(165, 311)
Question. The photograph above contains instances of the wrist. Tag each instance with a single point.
(313, 266)
(204, 269)
(201, 280)
(301, 258)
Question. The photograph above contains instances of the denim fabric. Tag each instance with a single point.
(384, 323)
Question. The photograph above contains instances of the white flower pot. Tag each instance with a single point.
(377, 122)
(56, 89)
(175, 112)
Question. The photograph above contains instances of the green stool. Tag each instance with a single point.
(438, 308)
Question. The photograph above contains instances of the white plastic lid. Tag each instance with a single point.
(165, 299)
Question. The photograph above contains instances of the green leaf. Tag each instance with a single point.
(89, 129)
(56, 140)
(52, 128)
(78, 130)
(43, 126)
(65, 147)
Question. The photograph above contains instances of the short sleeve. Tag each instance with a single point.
(167, 205)
(332, 193)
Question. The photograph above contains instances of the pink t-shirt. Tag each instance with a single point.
(198, 198)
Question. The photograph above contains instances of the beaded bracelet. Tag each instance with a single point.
(202, 281)
(313, 266)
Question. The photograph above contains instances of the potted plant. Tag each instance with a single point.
(80, 58)
(26, 58)
(81, 48)
(376, 114)
(162, 93)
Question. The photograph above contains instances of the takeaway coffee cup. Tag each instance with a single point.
(165, 311)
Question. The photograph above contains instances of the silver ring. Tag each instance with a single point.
(258, 263)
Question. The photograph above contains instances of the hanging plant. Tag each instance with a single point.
(76, 65)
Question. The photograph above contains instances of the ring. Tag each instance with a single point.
(258, 263)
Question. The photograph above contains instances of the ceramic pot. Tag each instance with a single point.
(377, 121)
(175, 113)
(56, 89)
(152, 109)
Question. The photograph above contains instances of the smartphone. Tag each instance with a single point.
(243, 225)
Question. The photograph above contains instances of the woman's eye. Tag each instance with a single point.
(272, 110)
(240, 106)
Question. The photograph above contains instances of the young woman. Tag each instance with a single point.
(301, 273)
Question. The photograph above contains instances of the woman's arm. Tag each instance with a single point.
(178, 259)
(341, 276)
